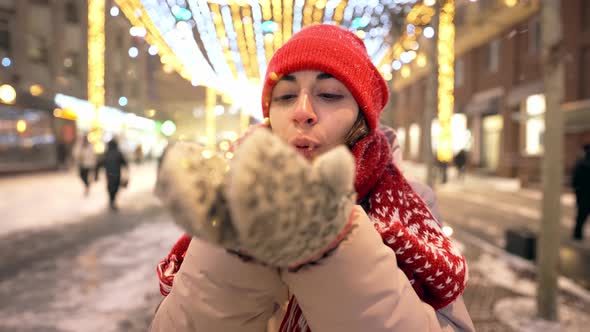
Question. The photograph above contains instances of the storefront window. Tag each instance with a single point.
(535, 124)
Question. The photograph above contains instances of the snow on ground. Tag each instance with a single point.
(46, 199)
(102, 285)
(499, 268)
(520, 314)
(417, 171)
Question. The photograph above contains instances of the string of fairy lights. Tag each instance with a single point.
(232, 39)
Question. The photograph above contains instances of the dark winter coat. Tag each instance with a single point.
(581, 177)
(113, 160)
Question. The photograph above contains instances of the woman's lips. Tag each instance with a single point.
(306, 146)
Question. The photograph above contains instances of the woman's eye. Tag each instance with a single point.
(331, 96)
(285, 97)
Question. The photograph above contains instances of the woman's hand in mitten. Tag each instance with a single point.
(189, 185)
(287, 211)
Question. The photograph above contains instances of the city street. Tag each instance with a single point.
(82, 267)
(69, 264)
(497, 91)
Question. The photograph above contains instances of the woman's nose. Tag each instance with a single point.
(304, 114)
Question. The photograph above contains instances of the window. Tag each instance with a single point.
(585, 73)
(119, 87)
(120, 41)
(5, 36)
(493, 56)
(534, 35)
(5, 41)
(535, 124)
(459, 72)
(71, 13)
(37, 49)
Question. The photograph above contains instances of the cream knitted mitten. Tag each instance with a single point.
(287, 211)
(190, 182)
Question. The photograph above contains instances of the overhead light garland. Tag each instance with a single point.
(217, 43)
(285, 16)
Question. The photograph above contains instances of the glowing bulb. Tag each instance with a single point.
(168, 69)
(207, 154)
(448, 231)
(137, 31)
(428, 32)
(114, 11)
(511, 3)
(421, 60)
(36, 90)
(219, 110)
(133, 52)
(7, 94)
(406, 72)
(224, 145)
(168, 128)
(21, 126)
(153, 50)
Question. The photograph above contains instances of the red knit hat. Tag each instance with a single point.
(334, 51)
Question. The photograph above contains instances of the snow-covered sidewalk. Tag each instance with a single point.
(501, 293)
(34, 201)
(109, 286)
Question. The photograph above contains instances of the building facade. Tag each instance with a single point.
(499, 93)
(44, 51)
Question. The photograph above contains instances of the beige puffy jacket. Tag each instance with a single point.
(358, 288)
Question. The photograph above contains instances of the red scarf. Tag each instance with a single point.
(436, 270)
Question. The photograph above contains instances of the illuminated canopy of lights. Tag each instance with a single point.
(224, 44)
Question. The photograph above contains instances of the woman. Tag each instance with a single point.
(290, 224)
(86, 159)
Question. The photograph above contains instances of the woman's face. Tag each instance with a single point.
(312, 111)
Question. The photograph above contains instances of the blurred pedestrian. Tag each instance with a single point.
(62, 154)
(581, 186)
(460, 162)
(443, 167)
(114, 163)
(316, 203)
(86, 160)
(138, 154)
